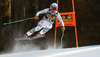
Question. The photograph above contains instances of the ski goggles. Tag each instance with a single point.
(53, 8)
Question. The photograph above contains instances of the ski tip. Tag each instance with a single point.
(16, 39)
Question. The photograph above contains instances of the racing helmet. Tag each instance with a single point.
(53, 6)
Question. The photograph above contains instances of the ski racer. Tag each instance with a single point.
(51, 14)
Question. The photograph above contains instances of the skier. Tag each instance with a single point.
(51, 14)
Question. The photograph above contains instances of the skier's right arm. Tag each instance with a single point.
(41, 12)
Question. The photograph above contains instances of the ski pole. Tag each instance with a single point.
(62, 40)
(18, 21)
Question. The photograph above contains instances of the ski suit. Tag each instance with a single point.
(46, 22)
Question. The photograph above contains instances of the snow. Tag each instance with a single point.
(87, 51)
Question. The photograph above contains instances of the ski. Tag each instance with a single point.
(29, 38)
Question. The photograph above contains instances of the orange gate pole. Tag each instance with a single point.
(75, 23)
(55, 34)
(55, 31)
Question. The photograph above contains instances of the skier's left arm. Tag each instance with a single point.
(61, 21)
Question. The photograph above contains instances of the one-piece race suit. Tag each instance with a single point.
(46, 23)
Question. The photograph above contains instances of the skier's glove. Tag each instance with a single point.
(25, 36)
(63, 28)
(36, 17)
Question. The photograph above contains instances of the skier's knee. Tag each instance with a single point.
(44, 30)
(50, 26)
(37, 28)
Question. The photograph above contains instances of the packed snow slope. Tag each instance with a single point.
(87, 51)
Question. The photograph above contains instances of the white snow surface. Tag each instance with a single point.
(87, 51)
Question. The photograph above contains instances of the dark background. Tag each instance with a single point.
(87, 21)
